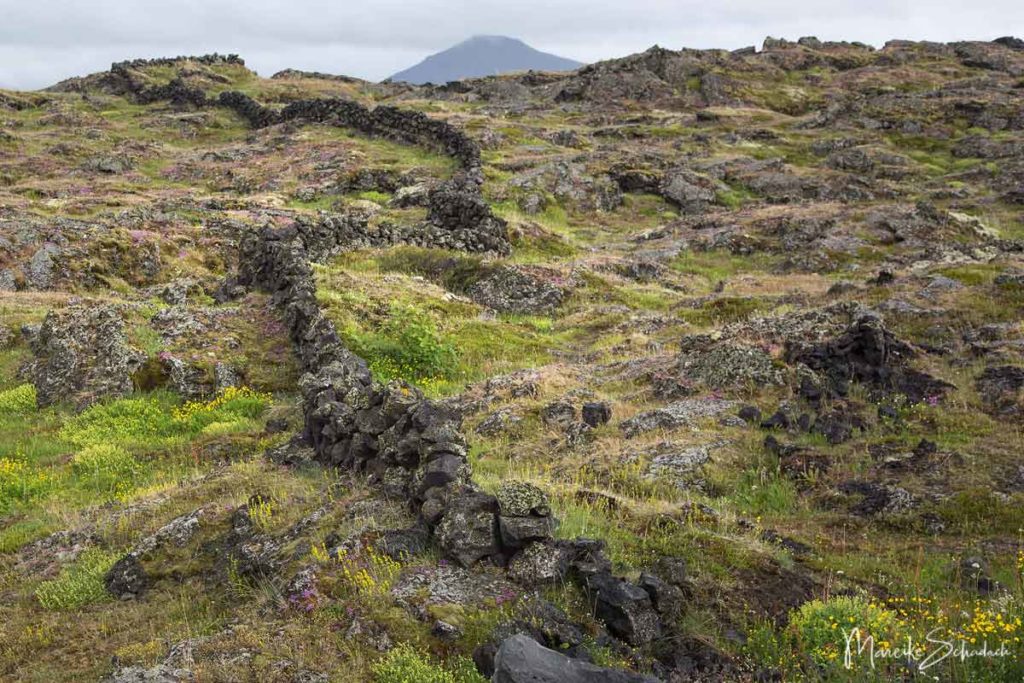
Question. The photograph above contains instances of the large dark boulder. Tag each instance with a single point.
(520, 659)
(126, 580)
(625, 608)
(468, 530)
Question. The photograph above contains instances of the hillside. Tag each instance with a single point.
(677, 367)
(482, 56)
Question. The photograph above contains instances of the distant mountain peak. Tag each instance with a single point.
(483, 55)
(491, 39)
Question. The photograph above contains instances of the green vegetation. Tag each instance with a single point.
(79, 584)
(155, 420)
(406, 329)
(791, 544)
(106, 467)
(404, 664)
(852, 638)
(407, 346)
(20, 483)
(20, 399)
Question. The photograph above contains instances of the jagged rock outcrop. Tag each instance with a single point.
(82, 355)
(867, 353)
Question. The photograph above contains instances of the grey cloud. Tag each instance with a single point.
(45, 41)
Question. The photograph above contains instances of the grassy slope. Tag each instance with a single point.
(600, 488)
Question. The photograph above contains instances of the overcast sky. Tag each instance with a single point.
(44, 41)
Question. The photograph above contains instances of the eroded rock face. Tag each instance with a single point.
(82, 355)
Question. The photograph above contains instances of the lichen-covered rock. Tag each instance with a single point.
(451, 585)
(82, 355)
(569, 183)
(501, 420)
(729, 365)
(161, 673)
(412, 195)
(509, 289)
(39, 273)
(186, 379)
(402, 544)
(538, 563)
(675, 415)
(560, 414)
(625, 608)
(1001, 388)
(468, 532)
(127, 580)
(679, 465)
(690, 191)
(517, 532)
(522, 499)
(8, 280)
(177, 532)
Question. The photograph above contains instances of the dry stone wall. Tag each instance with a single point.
(409, 445)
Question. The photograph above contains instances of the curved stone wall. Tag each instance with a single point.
(407, 444)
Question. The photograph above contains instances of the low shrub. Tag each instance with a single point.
(20, 483)
(78, 584)
(106, 467)
(230, 405)
(456, 271)
(848, 638)
(408, 346)
(125, 421)
(404, 664)
(821, 626)
(20, 399)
